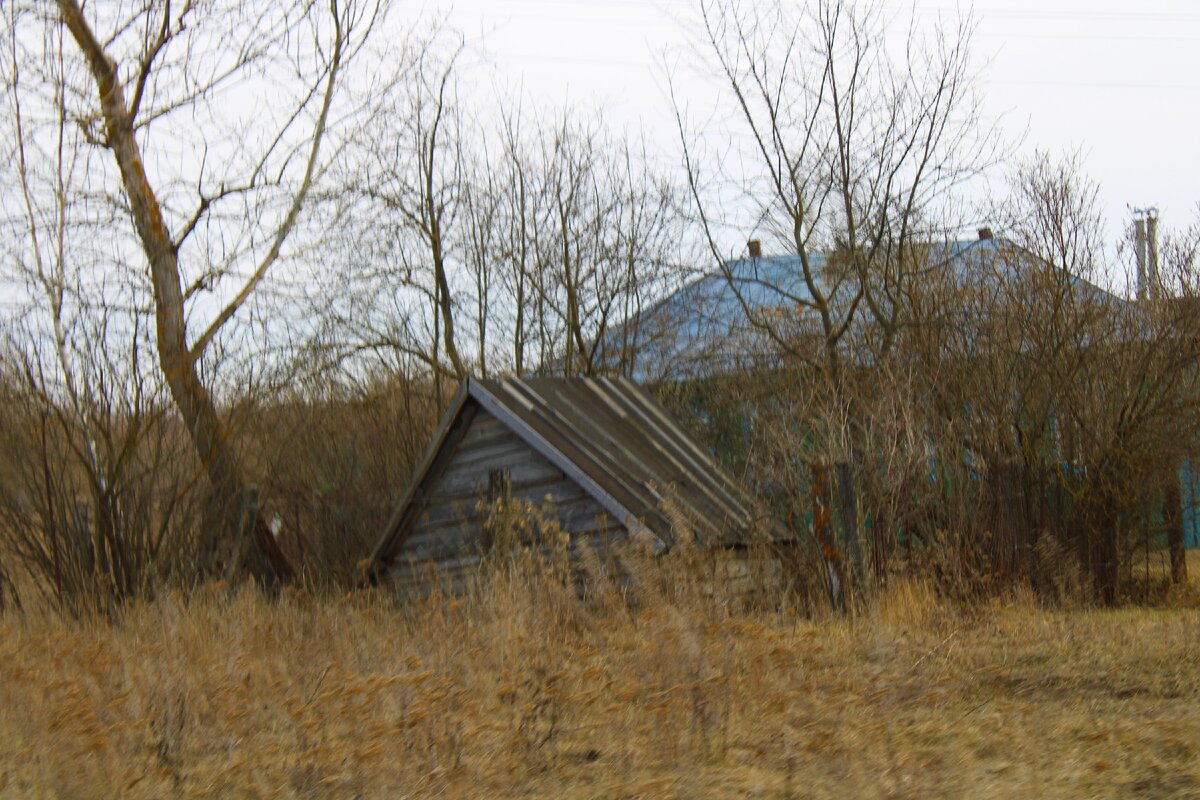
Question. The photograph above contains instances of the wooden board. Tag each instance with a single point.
(446, 539)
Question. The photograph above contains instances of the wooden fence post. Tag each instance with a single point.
(848, 521)
(822, 532)
(1173, 520)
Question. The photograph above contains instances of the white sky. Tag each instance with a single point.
(1117, 79)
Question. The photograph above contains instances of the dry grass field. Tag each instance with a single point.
(521, 692)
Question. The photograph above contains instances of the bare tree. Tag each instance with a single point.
(503, 245)
(1059, 409)
(160, 65)
(849, 151)
(610, 240)
(90, 514)
(413, 186)
(845, 151)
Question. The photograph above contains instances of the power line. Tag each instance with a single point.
(1071, 16)
(1187, 87)
(507, 10)
(603, 62)
(1088, 37)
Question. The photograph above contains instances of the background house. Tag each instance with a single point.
(1002, 395)
(718, 322)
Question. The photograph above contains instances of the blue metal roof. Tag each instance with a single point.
(705, 327)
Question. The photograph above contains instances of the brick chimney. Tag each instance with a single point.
(755, 247)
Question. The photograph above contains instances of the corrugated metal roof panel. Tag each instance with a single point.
(621, 437)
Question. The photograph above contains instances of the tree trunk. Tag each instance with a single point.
(1105, 569)
(209, 437)
(1173, 521)
(826, 540)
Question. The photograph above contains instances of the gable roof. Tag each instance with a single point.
(610, 437)
(705, 326)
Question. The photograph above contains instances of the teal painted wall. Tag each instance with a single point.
(1189, 497)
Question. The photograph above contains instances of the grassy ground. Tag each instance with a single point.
(518, 692)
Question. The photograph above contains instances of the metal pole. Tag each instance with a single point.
(1139, 246)
(1156, 287)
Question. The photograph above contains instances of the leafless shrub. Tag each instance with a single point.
(331, 458)
(97, 508)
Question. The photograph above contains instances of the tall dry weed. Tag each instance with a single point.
(520, 688)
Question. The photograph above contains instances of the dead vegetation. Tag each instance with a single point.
(520, 690)
(995, 450)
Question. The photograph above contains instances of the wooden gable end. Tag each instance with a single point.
(444, 535)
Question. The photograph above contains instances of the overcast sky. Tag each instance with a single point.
(1117, 79)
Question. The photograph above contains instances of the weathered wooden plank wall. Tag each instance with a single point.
(446, 543)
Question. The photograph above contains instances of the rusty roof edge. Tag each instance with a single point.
(390, 530)
(712, 518)
(526, 432)
(599, 447)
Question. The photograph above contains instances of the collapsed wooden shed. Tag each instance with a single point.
(600, 456)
